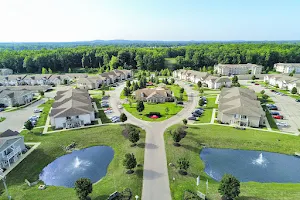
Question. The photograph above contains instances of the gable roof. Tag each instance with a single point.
(9, 133)
(153, 92)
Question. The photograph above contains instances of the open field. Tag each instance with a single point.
(228, 137)
(160, 107)
(43, 116)
(51, 148)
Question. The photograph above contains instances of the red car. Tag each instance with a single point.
(256, 84)
(277, 116)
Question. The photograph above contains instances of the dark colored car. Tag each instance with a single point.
(256, 84)
(192, 118)
(275, 113)
(198, 111)
(272, 90)
(1, 109)
(196, 114)
(273, 108)
(297, 100)
(180, 102)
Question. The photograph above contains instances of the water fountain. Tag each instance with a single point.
(260, 161)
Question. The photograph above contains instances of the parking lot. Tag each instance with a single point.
(287, 106)
(15, 120)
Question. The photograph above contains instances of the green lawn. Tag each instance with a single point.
(227, 137)
(2, 119)
(50, 149)
(103, 117)
(160, 107)
(206, 116)
(176, 92)
(43, 116)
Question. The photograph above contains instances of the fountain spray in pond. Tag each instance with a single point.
(78, 164)
(260, 161)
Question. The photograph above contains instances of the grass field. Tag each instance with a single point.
(43, 116)
(176, 92)
(50, 149)
(160, 107)
(170, 62)
(228, 137)
(2, 119)
(206, 116)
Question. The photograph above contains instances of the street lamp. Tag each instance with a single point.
(2, 176)
(136, 197)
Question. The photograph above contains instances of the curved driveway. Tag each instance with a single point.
(155, 178)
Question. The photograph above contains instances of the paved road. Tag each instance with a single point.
(156, 179)
(15, 119)
(286, 105)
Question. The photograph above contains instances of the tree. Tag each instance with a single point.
(262, 92)
(277, 86)
(129, 162)
(181, 90)
(201, 102)
(253, 77)
(41, 92)
(180, 97)
(176, 138)
(70, 70)
(157, 80)
(235, 79)
(265, 97)
(49, 70)
(294, 90)
(123, 117)
(167, 110)
(103, 92)
(83, 188)
(44, 70)
(128, 83)
(201, 92)
(28, 125)
(184, 121)
(184, 165)
(172, 81)
(126, 91)
(113, 63)
(229, 187)
(133, 135)
(135, 86)
(199, 84)
(130, 103)
(140, 106)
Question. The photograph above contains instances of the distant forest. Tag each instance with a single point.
(94, 58)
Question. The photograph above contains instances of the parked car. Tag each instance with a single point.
(108, 111)
(104, 105)
(120, 106)
(37, 110)
(277, 116)
(196, 114)
(272, 107)
(256, 84)
(252, 81)
(180, 102)
(115, 119)
(192, 118)
(1, 109)
(284, 124)
(199, 111)
(275, 113)
(273, 91)
(297, 100)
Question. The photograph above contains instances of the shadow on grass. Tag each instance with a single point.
(191, 148)
(101, 197)
(249, 198)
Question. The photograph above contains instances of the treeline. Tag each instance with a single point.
(105, 58)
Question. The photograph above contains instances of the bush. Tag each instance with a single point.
(154, 113)
(229, 187)
(129, 162)
(183, 164)
(83, 188)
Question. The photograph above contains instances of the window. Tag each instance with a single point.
(77, 117)
(236, 116)
(244, 117)
(68, 117)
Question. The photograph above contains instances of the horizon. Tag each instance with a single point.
(133, 20)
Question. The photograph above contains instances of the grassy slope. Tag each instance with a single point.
(228, 137)
(176, 92)
(160, 107)
(50, 149)
(43, 116)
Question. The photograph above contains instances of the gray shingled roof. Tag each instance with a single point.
(9, 133)
(71, 102)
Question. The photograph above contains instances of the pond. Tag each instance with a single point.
(257, 166)
(89, 163)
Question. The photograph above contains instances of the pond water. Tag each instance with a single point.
(89, 163)
(258, 166)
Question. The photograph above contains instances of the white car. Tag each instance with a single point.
(284, 124)
(120, 106)
(108, 111)
(37, 110)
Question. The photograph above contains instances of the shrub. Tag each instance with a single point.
(129, 162)
(229, 187)
(83, 188)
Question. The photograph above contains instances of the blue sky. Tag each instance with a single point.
(78, 20)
